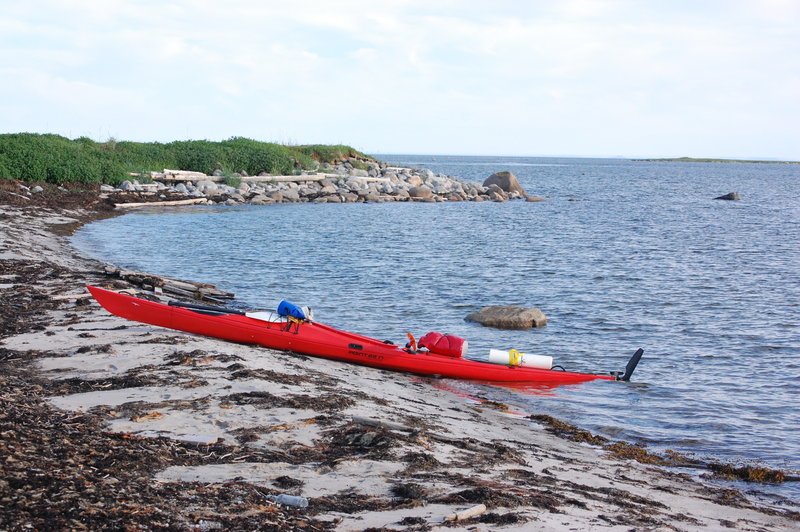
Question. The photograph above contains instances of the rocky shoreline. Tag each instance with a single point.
(343, 183)
(107, 423)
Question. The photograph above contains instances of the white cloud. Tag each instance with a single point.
(423, 75)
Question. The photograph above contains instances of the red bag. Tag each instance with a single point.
(444, 344)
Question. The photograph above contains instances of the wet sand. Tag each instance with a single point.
(108, 423)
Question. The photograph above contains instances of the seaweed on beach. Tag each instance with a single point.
(410, 491)
(62, 471)
(347, 502)
(420, 462)
(491, 497)
(567, 431)
(360, 441)
(502, 519)
(242, 372)
(80, 385)
(25, 300)
(748, 473)
(168, 340)
(262, 399)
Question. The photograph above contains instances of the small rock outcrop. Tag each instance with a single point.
(507, 181)
(729, 196)
(509, 317)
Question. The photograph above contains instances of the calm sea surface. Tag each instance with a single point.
(644, 258)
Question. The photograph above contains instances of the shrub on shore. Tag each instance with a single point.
(51, 158)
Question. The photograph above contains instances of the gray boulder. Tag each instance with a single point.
(420, 192)
(509, 317)
(291, 195)
(414, 180)
(507, 181)
(208, 187)
(731, 196)
(127, 186)
(260, 200)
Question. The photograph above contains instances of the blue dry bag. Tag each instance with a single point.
(290, 309)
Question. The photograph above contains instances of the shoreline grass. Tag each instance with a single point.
(50, 158)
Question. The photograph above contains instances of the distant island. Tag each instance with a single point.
(703, 160)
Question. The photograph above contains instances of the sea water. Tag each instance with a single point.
(622, 254)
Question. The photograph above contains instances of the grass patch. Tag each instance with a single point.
(324, 153)
(232, 181)
(33, 157)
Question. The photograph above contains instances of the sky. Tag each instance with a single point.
(614, 78)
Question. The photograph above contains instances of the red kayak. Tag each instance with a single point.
(316, 339)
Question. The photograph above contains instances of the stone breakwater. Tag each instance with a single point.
(343, 183)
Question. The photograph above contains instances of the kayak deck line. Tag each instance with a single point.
(319, 340)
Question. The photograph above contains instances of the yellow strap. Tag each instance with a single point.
(514, 357)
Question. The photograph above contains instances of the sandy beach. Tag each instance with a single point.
(108, 423)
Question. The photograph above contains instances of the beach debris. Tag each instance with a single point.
(476, 510)
(152, 416)
(132, 205)
(189, 289)
(289, 500)
(509, 317)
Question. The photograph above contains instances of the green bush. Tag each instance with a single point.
(198, 155)
(255, 157)
(56, 159)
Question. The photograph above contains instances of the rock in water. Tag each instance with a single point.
(729, 196)
(509, 317)
(506, 181)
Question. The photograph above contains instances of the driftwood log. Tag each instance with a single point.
(190, 289)
(192, 201)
